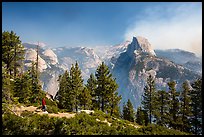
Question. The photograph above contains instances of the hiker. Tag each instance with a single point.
(43, 105)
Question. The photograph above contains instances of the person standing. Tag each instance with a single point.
(43, 105)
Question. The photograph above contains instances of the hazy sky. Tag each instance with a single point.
(165, 25)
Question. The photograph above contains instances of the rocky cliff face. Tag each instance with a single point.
(140, 45)
(53, 62)
(132, 68)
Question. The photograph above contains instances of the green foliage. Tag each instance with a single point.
(91, 86)
(7, 86)
(52, 109)
(196, 105)
(64, 94)
(76, 84)
(185, 107)
(128, 111)
(12, 52)
(141, 117)
(70, 89)
(12, 58)
(105, 93)
(161, 107)
(174, 104)
(148, 100)
(52, 106)
(22, 88)
(85, 99)
(98, 93)
(159, 130)
(26, 113)
(81, 124)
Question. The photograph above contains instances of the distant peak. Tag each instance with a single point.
(140, 44)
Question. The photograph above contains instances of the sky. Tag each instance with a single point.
(166, 25)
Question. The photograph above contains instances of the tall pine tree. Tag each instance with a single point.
(85, 99)
(106, 88)
(91, 86)
(196, 105)
(63, 95)
(37, 93)
(12, 56)
(23, 88)
(12, 52)
(148, 97)
(76, 84)
(173, 106)
(161, 107)
(185, 107)
(113, 98)
(141, 117)
(128, 111)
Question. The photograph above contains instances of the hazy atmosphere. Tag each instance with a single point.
(165, 25)
(102, 68)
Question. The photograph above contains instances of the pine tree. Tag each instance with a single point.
(91, 86)
(102, 76)
(141, 117)
(12, 56)
(7, 86)
(63, 95)
(22, 88)
(114, 104)
(161, 107)
(76, 84)
(13, 52)
(196, 105)
(128, 111)
(185, 107)
(37, 93)
(173, 105)
(85, 99)
(148, 97)
(113, 99)
(106, 88)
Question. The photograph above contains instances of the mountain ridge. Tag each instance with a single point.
(134, 67)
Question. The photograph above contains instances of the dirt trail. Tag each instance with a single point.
(60, 115)
(19, 110)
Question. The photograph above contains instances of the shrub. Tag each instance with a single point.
(52, 109)
(26, 113)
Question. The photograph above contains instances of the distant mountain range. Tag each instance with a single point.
(130, 62)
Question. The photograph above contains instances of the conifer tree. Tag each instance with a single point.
(22, 88)
(113, 99)
(36, 87)
(76, 84)
(12, 52)
(148, 97)
(91, 86)
(12, 55)
(128, 111)
(85, 99)
(161, 107)
(141, 117)
(102, 76)
(173, 105)
(185, 107)
(106, 88)
(63, 95)
(7, 86)
(196, 106)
